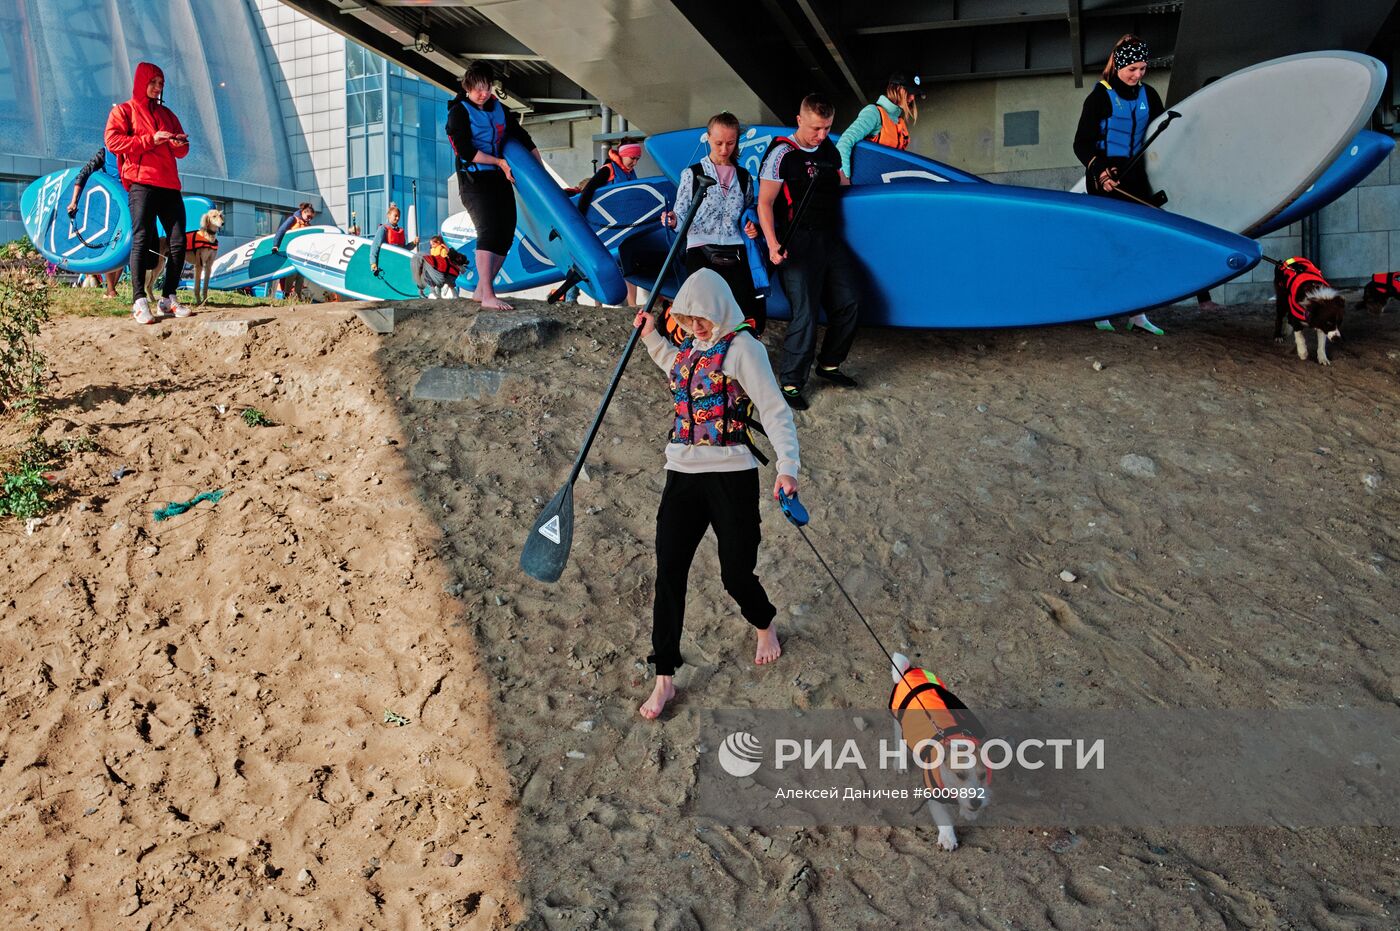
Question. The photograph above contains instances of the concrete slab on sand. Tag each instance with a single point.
(494, 334)
(457, 384)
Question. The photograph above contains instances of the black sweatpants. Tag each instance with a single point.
(490, 201)
(739, 277)
(147, 205)
(818, 272)
(693, 501)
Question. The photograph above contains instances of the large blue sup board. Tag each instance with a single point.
(254, 262)
(553, 223)
(97, 239)
(929, 254)
(1362, 157)
(870, 163)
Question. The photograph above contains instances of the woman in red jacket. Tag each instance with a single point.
(147, 139)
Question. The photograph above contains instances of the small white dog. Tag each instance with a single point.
(926, 713)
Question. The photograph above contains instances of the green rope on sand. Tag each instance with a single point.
(175, 508)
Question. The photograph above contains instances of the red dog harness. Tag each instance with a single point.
(198, 239)
(1387, 283)
(1293, 274)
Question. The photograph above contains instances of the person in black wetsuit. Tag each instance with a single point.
(103, 161)
(478, 125)
(1112, 129)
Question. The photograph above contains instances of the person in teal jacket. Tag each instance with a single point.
(887, 120)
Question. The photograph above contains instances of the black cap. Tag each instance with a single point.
(909, 82)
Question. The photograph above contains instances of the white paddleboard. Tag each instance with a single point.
(1248, 145)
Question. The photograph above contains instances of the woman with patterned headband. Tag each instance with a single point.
(1112, 129)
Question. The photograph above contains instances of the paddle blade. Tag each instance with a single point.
(546, 549)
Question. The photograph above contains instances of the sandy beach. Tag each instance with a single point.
(332, 700)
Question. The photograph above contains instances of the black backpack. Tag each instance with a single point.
(698, 169)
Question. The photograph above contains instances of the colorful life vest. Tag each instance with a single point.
(891, 133)
(1122, 134)
(488, 125)
(444, 260)
(196, 240)
(393, 235)
(800, 170)
(298, 222)
(928, 713)
(1292, 275)
(710, 406)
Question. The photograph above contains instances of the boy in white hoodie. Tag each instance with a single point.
(711, 471)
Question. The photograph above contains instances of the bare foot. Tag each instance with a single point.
(768, 647)
(1210, 306)
(495, 303)
(651, 708)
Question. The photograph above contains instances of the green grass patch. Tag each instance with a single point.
(90, 302)
(255, 418)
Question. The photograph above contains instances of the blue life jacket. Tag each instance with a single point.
(1122, 134)
(488, 132)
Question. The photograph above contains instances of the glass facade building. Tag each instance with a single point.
(279, 108)
(394, 136)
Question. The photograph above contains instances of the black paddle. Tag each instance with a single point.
(547, 546)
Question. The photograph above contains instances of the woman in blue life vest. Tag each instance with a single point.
(478, 125)
(726, 223)
(1112, 129)
(711, 469)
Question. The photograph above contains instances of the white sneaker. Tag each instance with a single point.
(141, 310)
(178, 309)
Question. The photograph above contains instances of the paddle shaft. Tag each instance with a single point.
(704, 186)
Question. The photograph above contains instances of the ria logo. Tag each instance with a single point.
(741, 754)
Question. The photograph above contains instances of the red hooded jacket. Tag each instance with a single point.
(131, 131)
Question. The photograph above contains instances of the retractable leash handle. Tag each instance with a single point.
(793, 509)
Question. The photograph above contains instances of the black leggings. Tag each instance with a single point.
(490, 199)
(693, 501)
(149, 204)
(740, 280)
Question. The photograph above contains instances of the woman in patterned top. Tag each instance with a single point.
(716, 236)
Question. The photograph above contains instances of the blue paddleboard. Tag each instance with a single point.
(676, 151)
(103, 220)
(553, 222)
(1357, 161)
(927, 252)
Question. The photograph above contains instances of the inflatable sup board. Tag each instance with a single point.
(526, 266)
(339, 262)
(952, 239)
(676, 151)
(1248, 145)
(1366, 152)
(103, 220)
(253, 262)
(553, 223)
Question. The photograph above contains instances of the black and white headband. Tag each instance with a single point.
(1129, 53)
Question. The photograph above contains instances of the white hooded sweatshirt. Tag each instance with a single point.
(705, 294)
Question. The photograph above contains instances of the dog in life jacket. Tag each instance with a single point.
(1379, 290)
(927, 713)
(1305, 301)
(201, 248)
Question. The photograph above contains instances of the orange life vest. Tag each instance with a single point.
(1292, 274)
(927, 712)
(441, 258)
(198, 239)
(891, 133)
(394, 235)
